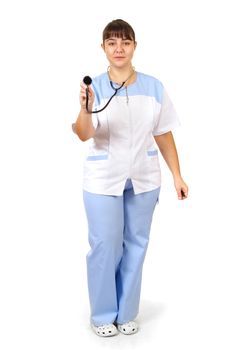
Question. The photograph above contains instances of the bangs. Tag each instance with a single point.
(118, 34)
(118, 29)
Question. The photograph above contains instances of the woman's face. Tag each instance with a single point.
(119, 52)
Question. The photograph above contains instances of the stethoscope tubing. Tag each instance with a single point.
(100, 110)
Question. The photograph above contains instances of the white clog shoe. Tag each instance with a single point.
(128, 328)
(105, 330)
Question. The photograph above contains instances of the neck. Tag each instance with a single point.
(118, 75)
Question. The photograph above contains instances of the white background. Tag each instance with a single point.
(46, 48)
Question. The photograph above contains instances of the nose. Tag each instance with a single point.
(119, 47)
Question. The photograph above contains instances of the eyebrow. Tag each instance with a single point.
(114, 39)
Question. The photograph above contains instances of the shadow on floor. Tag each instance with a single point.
(150, 311)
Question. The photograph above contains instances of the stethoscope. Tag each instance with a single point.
(87, 80)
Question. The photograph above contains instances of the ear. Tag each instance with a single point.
(135, 45)
(102, 45)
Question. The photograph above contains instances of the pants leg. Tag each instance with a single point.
(118, 231)
(105, 232)
(138, 213)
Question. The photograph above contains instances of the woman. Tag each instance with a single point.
(122, 177)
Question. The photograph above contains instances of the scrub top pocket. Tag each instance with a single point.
(152, 162)
(96, 165)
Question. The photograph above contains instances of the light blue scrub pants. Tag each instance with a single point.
(119, 228)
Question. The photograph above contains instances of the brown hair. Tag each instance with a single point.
(119, 29)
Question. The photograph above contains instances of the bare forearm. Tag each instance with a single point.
(83, 126)
(168, 150)
(167, 147)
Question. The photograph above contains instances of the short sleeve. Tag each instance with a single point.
(168, 118)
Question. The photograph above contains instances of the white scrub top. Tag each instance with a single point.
(123, 146)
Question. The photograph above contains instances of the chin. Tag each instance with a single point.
(120, 64)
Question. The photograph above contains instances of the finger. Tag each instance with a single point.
(184, 193)
(179, 193)
(83, 90)
(84, 86)
(83, 94)
(90, 91)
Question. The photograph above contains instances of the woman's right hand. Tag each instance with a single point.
(82, 97)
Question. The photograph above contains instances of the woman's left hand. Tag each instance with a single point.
(181, 188)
